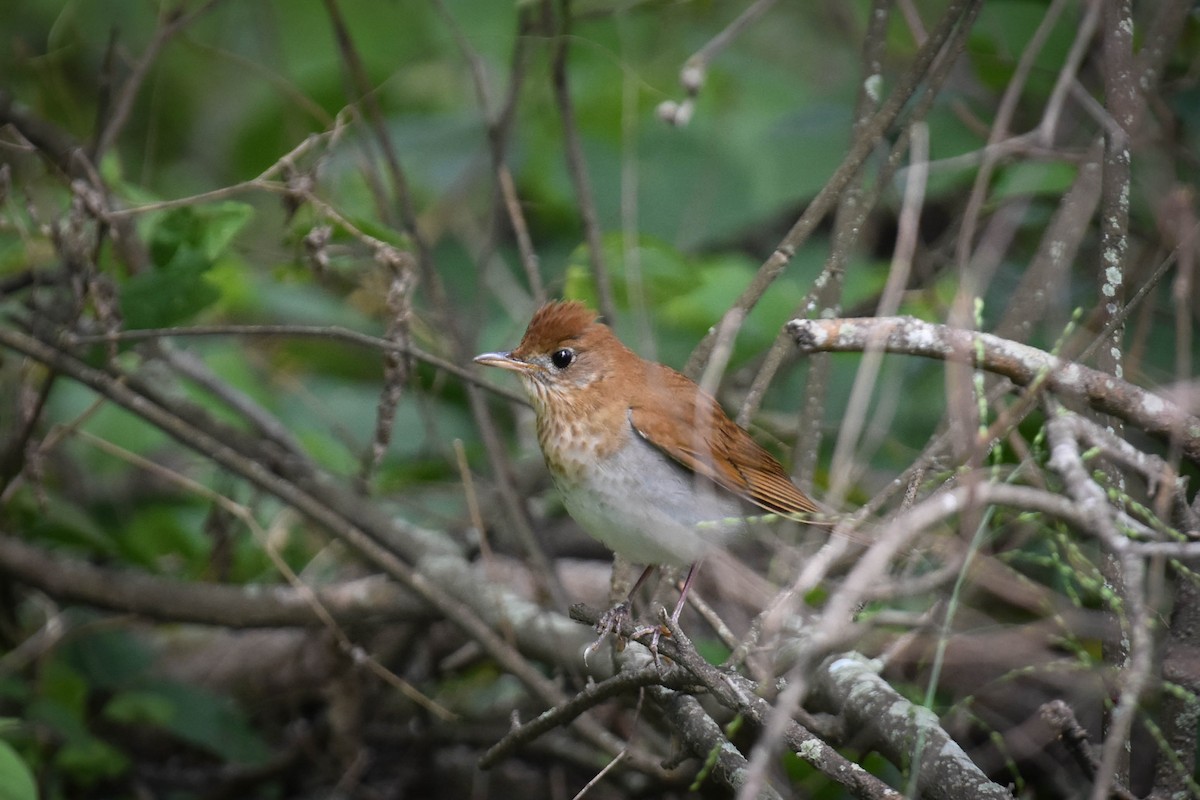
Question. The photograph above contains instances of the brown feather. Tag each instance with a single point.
(556, 324)
(733, 459)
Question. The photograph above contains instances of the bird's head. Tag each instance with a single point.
(563, 352)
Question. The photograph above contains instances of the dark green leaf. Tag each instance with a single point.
(209, 721)
(170, 295)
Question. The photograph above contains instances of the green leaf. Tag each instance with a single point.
(184, 245)
(90, 760)
(53, 715)
(579, 284)
(109, 659)
(14, 689)
(63, 686)
(140, 707)
(1002, 33)
(206, 230)
(1031, 178)
(167, 539)
(211, 722)
(58, 523)
(16, 781)
(167, 296)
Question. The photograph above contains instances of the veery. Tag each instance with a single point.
(646, 462)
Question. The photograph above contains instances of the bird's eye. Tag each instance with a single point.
(562, 358)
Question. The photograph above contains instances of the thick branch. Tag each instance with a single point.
(255, 606)
(705, 739)
(1019, 363)
(742, 695)
(905, 733)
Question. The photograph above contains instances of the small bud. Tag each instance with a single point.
(692, 78)
(677, 114)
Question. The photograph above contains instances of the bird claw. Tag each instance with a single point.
(657, 632)
(610, 621)
(613, 620)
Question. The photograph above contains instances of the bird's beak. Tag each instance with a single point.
(504, 361)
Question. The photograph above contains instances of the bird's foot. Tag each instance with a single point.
(656, 632)
(610, 621)
(616, 618)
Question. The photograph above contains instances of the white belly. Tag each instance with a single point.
(673, 518)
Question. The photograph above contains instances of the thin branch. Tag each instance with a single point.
(1159, 41)
(443, 311)
(855, 415)
(624, 682)
(172, 23)
(195, 369)
(999, 132)
(70, 157)
(1059, 716)
(850, 220)
(695, 68)
(332, 332)
(1047, 129)
(577, 164)
(1065, 459)
(498, 128)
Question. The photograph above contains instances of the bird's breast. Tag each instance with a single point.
(574, 444)
(630, 496)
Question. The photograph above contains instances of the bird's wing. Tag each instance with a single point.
(679, 419)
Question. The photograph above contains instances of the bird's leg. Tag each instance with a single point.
(615, 617)
(687, 584)
(657, 630)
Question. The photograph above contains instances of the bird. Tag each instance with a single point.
(645, 460)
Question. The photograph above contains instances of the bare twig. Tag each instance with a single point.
(70, 158)
(498, 123)
(695, 68)
(308, 331)
(624, 682)
(1065, 459)
(999, 132)
(172, 22)
(1059, 716)
(576, 163)
(889, 302)
(196, 370)
(854, 209)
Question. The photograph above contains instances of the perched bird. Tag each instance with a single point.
(646, 462)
